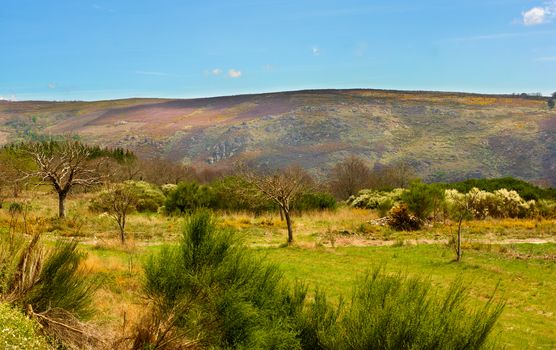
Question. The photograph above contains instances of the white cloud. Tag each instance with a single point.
(540, 14)
(232, 73)
(216, 71)
(535, 16)
(315, 50)
(51, 85)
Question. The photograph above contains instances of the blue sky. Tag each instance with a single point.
(88, 50)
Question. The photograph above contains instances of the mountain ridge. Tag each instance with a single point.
(445, 136)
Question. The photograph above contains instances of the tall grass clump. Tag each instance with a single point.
(48, 285)
(210, 291)
(398, 312)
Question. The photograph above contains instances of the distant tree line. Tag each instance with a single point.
(130, 184)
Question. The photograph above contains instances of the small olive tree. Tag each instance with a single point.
(282, 186)
(461, 207)
(118, 201)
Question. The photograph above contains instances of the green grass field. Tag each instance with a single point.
(528, 285)
(524, 275)
(332, 249)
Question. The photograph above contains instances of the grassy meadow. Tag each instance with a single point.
(515, 257)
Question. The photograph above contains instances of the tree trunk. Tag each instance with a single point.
(122, 235)
(121, 224)
(281, 213)
(289, 223)
(459, 240)
(61, 204)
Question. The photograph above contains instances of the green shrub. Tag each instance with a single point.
(423, 199)
(19, 332)
(49, 286)
(211, 291)
(187, 197)
(398, 312)
(384, 207)
(546, 209)
(315, 201)
(401, 219)
(148, 197)
(61, 284)
(167, 188)
(235, 194)
(217, 293)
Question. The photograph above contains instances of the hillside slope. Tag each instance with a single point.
(445, 136)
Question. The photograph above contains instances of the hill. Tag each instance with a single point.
(444, 136)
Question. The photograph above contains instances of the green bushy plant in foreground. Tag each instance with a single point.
(19, 332)
(398, 312)
(215, 293)
(48, 285)
(61, 285)
(211, 292)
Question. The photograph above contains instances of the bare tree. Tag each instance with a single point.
(463, 207)
(118, 201)
(349, 177)
(398, 174)
(63, 164)
(120, 171)
(281, 186)
(162, 171)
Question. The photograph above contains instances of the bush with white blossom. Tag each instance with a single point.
(374, 199)
(498, 204)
